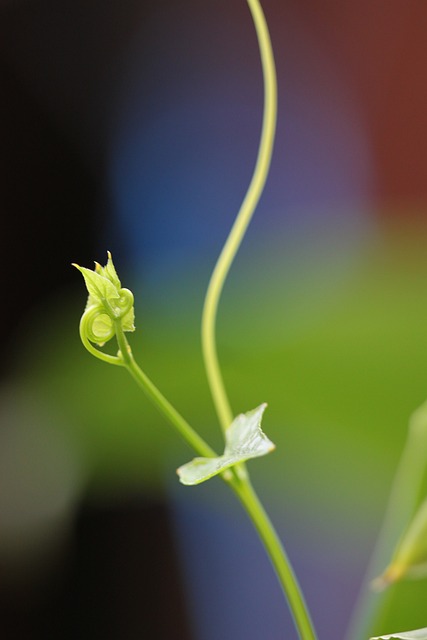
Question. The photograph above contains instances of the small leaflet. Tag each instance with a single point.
(244, 440)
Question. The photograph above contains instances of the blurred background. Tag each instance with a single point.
(133, 127)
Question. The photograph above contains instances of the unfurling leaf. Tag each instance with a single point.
(244, 440)
(418, 634)
(107, 303)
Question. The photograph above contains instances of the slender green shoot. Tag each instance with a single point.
(242, 221)
(192, 438)
(278, 557)
(240, 479)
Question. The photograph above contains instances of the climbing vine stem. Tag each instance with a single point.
(240, 480)
(242, 221)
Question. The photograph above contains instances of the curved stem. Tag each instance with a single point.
(152, 392)
(242, 221)
(240, 480)
(105, 357)
(278, 557)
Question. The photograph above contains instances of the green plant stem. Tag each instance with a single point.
(242, 221)
(240, 479)
(404, 495)
(277, 554)
(238, 482)
(192, 438)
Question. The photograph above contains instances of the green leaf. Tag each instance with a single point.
(410, 557)
(419, 634)
(99, 287)
(109, 272)
(244, 440)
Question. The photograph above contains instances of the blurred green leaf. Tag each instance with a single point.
(410, 558)
(244, 440)
(418, 634)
